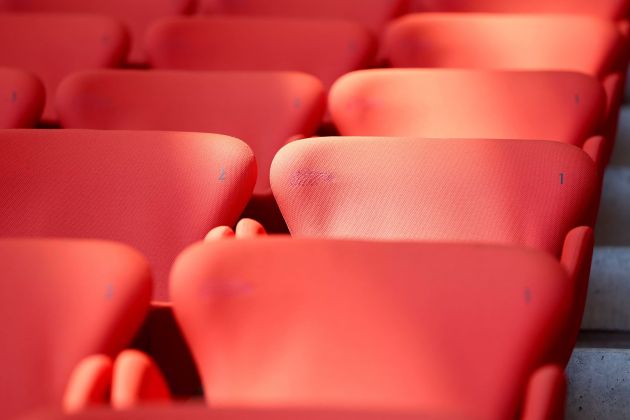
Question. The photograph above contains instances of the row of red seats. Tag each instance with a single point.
(366, 326)
(349, 334)
(269, 109)
(138, 15)
(160, 191)
(35, 43)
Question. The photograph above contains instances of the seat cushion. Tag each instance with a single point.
(529, 193)
(246, 43)
(265, 109)
(51, 46)
(368, 325)
(156, 191)
(63, 300)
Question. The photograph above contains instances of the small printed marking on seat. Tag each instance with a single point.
(109, 291)
(306, 178)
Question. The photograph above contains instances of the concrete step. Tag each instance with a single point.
(621, 155)
(608, 302)
(598, 384)
(599, 372)
(613, 224)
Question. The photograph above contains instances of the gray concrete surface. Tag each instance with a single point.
(608, 302)
(599, 385)
(613, 224)
(598, 377)
(621, 154)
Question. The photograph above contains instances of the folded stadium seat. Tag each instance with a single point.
(198, 412)
(157, 191)
(607, 9)
(64, 300)
(373, 14)
(22, 99)
(265, 109)
(513, 42)
(521, 42)
(326, 49)
(52, 46)
(137, 15)
(527, 193)
(373, 325)
(453, 103)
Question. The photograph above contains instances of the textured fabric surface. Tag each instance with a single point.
(51, 46)
(610, 9)
(378, 325)
(136, 15)
(504, 191)
(373, 14)
(22, 99)
(157, 191)
(454, 103)
(263, 109)
(607, 9)
(62, 301)
(505, 42)
(324, 48)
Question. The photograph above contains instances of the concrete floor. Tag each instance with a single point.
(599, 384)
(599, 372)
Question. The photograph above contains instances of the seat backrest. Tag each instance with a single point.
(137, 15)
(246, 43)
(608, 9)
(51, 46)
(449, 328)
(156, 191)
(516, 42)
(529, 193)
(454, 103)
(265, 109)
(22, 99)
(63, 300)
(373, 14)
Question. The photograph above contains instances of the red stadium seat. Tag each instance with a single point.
(157, 191)
(513, 42)
(198, 412)
(607, 9)
(506, 42)
(371, 325)
(453, 103)
(326, 49)
(137, 15)
(53, 46)
(508, 191)
(62, 301)
(511, 192)
(373, 14)
(22, 99)
(264, 109)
